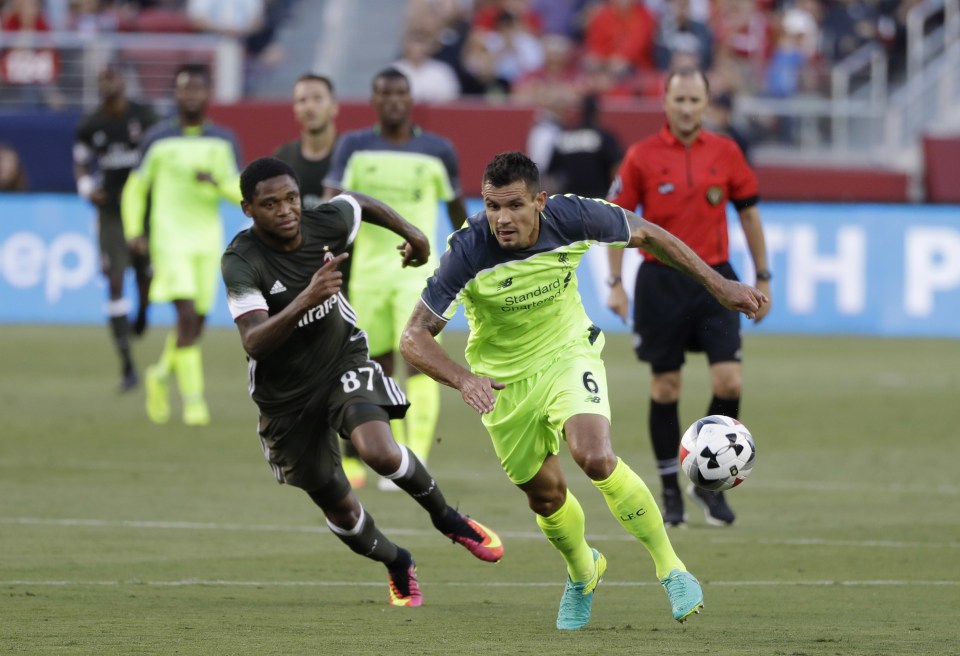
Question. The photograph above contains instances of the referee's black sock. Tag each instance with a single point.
(726, 407)
(664, 420)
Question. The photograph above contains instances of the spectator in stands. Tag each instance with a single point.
(719, 120)
(740, 29)
(29, 73)
(517, 51)
(678, 30)
(12, 175)
(478, 74)
(789, 71)
(619, 40)
(560, 70)
(91, 17)
(585, 155)
(487, 18)
(847, 25)
(237, 18)
(431, 80)
(449, 23)
(564, 17)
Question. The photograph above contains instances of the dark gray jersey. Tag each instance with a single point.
(326, 341)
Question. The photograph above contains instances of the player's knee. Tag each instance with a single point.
(545, 502)
(665, 387)
(597, 464)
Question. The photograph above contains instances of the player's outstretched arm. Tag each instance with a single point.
(673, 252)
(261, 334)
(416, 247)
(420, 349)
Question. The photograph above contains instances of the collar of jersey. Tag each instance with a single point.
(667, 136)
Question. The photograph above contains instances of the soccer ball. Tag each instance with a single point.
(717, 453)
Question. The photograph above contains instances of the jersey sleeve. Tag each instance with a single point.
(625, 191)
(450, 186)
(83, 145)
(133, 198)
(349, 209)
(242, 282)
(338, 164)
(228, 173)
(743, 181)
(442, 293)
(590, 219)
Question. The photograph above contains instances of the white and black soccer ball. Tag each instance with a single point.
(717, 453)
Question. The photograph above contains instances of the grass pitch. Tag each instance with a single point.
(119, 537)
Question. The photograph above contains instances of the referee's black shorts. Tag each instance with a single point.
(672, 314)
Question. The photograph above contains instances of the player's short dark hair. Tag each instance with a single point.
(507, 168)
(193, 68)
(314, 77)
(262, 169)
(686, 71)
(390, 73)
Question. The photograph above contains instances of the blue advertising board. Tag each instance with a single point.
(885, 270)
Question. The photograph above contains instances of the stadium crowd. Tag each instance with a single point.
(532, 49)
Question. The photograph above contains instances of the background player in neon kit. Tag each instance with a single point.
(310, 372)
(188, 165)
(105, 151)
(683, 177)
(411, 171)
(536, 373)
(315, 108)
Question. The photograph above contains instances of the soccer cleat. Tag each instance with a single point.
(157, 386)
(478, 540)
(196, 413)
(404, 590)
(714, 505)
(577, 600)
(683, 590)
(129, 381)
(673, 511)
(355, 471)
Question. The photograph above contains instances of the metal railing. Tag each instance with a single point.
(60, 68)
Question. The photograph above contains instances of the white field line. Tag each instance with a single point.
(806, 486)
(513, 535)
(476, 584)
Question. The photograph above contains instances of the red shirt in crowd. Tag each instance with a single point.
(625, 33)
(685, 190)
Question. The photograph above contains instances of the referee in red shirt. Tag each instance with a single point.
(682, 178)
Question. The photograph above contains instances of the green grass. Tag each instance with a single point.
(119, 537)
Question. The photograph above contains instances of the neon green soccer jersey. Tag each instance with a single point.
(523, 306)
(412, 178)
(183, 211)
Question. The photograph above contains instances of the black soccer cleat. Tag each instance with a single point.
(673, 511)
(715, 508)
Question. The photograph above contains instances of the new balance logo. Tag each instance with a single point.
(277, 288)
(503, 284)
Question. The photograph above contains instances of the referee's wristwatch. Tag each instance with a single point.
(613, 281)
(764, 275)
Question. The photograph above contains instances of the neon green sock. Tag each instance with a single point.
(188, 365)
(565, 529)
(165, 364)
(630, 501)
(423, 393)
(399, 431)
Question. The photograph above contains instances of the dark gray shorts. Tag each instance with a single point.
(302, 447)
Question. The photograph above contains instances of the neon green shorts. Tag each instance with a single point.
(529, 415)
(383, 311)
(187, 276)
